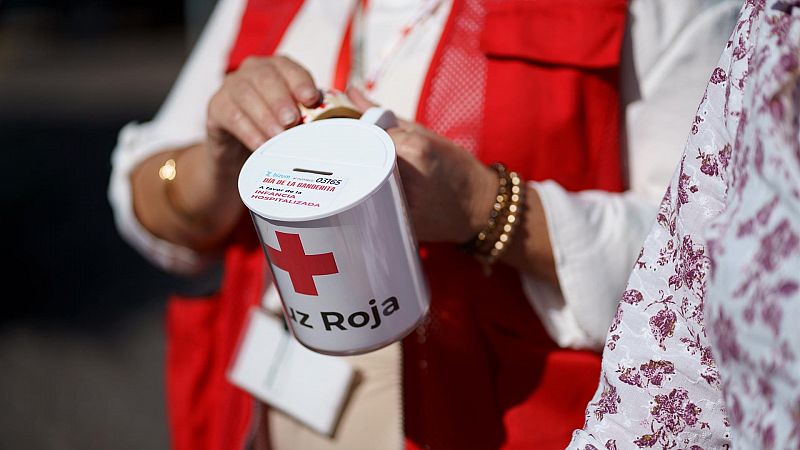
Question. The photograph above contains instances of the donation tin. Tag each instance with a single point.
(328, 206)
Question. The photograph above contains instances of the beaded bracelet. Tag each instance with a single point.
(495, 238)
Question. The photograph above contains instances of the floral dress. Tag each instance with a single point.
(704, 350)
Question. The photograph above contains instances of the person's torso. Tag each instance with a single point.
(530, 84)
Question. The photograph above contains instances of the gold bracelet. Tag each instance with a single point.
(495, 238)
(168, 173)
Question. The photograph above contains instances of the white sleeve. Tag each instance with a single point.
(179, 123)
(595, 235)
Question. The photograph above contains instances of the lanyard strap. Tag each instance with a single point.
(345, 61)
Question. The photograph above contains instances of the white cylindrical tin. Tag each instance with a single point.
(329, 209)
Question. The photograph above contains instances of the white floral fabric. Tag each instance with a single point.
(703, 352)
(753, 300)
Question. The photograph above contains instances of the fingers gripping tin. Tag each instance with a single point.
(328, 206)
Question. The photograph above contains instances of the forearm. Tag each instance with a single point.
(198, 208)
(531, 251)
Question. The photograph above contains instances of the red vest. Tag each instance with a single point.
(536, 87)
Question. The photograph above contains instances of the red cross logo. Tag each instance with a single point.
(301, 268)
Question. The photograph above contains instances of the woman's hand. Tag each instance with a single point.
(254, 103)
(257, 102)
(201, 206)
(450, 195)
(449, 192)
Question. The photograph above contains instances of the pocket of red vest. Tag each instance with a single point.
(578, 33)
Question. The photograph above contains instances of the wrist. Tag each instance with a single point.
(482, 201)
(496, 236)
(224, 165)
(203, 194)
(532, 251)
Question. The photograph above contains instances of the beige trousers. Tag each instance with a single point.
(371, 419)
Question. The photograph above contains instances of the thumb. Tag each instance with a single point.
(359, 99)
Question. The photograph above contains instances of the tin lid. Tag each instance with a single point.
(316, 170)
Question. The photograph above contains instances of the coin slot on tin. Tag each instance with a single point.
(318, 172)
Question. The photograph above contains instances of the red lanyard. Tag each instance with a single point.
(344, 63)
(341, 74)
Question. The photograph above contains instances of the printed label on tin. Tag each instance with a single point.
(351, 282)
(336, 295)
(304, 189)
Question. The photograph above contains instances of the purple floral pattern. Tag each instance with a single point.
(607, 403)
(702, 353)
(653, 372)
(753, 299)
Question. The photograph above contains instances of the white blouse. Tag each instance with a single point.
(670, 50)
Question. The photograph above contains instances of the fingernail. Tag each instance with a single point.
(288, 117)
(309, 94)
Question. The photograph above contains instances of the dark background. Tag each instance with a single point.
(81, 331)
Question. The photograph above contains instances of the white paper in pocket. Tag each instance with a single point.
(275, 368)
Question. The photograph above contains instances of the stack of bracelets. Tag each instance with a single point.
(495, 238)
